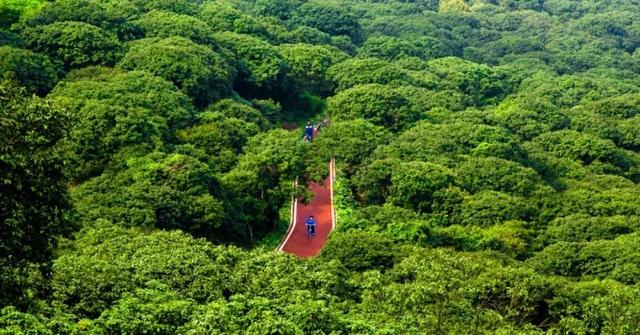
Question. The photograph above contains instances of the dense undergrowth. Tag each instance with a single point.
(488, 155)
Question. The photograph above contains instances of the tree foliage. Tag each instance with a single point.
(165, 24)
(169, 191)
(381, 105)
(197, 70)
(331, 19)
(33, 195)
(34, 71)
(308, 65)
(109, 15)
(11, 10)
(75, 44)
(258, 64)
(128, 89)
(487, 166)
(394, 48)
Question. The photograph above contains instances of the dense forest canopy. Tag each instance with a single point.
(488, 159)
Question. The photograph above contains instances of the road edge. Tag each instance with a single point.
(292, 218)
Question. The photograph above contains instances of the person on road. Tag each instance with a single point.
(311, 226)
(308, 132)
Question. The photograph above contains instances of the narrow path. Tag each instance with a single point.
(321, 207)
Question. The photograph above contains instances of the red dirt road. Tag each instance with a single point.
(296, 241)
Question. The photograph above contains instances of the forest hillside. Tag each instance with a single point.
(488, 166)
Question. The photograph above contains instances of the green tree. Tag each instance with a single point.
(189, 7)
(377, 218)
(195, 69)
(598, 195)
(109, 15)
(350, 142)
(331, 19)
(259, 66)
(443, 142)
(360, 251)
(630, 134)
(392, 48)
(262, 181)
(10, 38)
(282, 9)
(134, 89)
(223, 17)
(154, 309)
(12, 10)
(112, 266)
(260, 112)
(100, 131)
(596, 306)
(308, 65)
(519, 294)
(600, 155)
(379, 104)
(14, 322)
(373, 180)
(168, 191)
(75, 44)
(308, 35)
(34, 204)
(453, 5)
(33, 71)
(220, 137)
(573, 89)
(580, 227)
(529, 117)
(480, 83)
(414, 183)
(497, 174)
(425, 292)
(599, 259)
(491, 207)
(621, 106)
(353, 72)
(165, 24)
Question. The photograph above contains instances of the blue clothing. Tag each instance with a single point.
(308, 131)
(311, 226)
